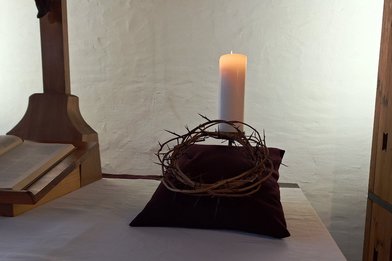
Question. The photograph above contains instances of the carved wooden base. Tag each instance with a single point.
(54, 118)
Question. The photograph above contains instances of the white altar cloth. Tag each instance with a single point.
(92, 224)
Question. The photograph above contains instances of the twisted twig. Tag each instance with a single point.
(243, 184)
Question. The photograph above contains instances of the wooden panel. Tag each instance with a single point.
(377, 243)
(381, 235)
(381, 162)
(91, 167)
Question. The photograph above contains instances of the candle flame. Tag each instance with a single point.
(231, 52)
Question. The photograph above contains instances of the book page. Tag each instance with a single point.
(7, 142)
(23, 164)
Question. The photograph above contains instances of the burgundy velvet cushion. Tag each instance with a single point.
(259, 213)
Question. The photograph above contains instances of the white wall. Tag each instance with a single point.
(140, 67)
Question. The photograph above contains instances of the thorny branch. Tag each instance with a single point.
(243, 184)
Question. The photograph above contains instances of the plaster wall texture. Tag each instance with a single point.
(140, 67)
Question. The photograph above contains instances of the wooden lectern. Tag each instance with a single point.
(54, 117)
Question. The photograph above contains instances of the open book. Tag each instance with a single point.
(23, 162)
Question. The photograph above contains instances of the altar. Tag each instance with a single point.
(92, 224)
(91, 221)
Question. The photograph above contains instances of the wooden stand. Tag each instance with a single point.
(79, 168)
(378, 231)
(54, 116)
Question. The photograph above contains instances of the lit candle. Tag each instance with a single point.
(232, 69)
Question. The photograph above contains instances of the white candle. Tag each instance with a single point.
(232, 69)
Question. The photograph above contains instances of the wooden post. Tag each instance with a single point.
(54, 116)
(54, 49)
(378, 231)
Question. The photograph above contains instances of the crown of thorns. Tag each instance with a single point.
(243, 184)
